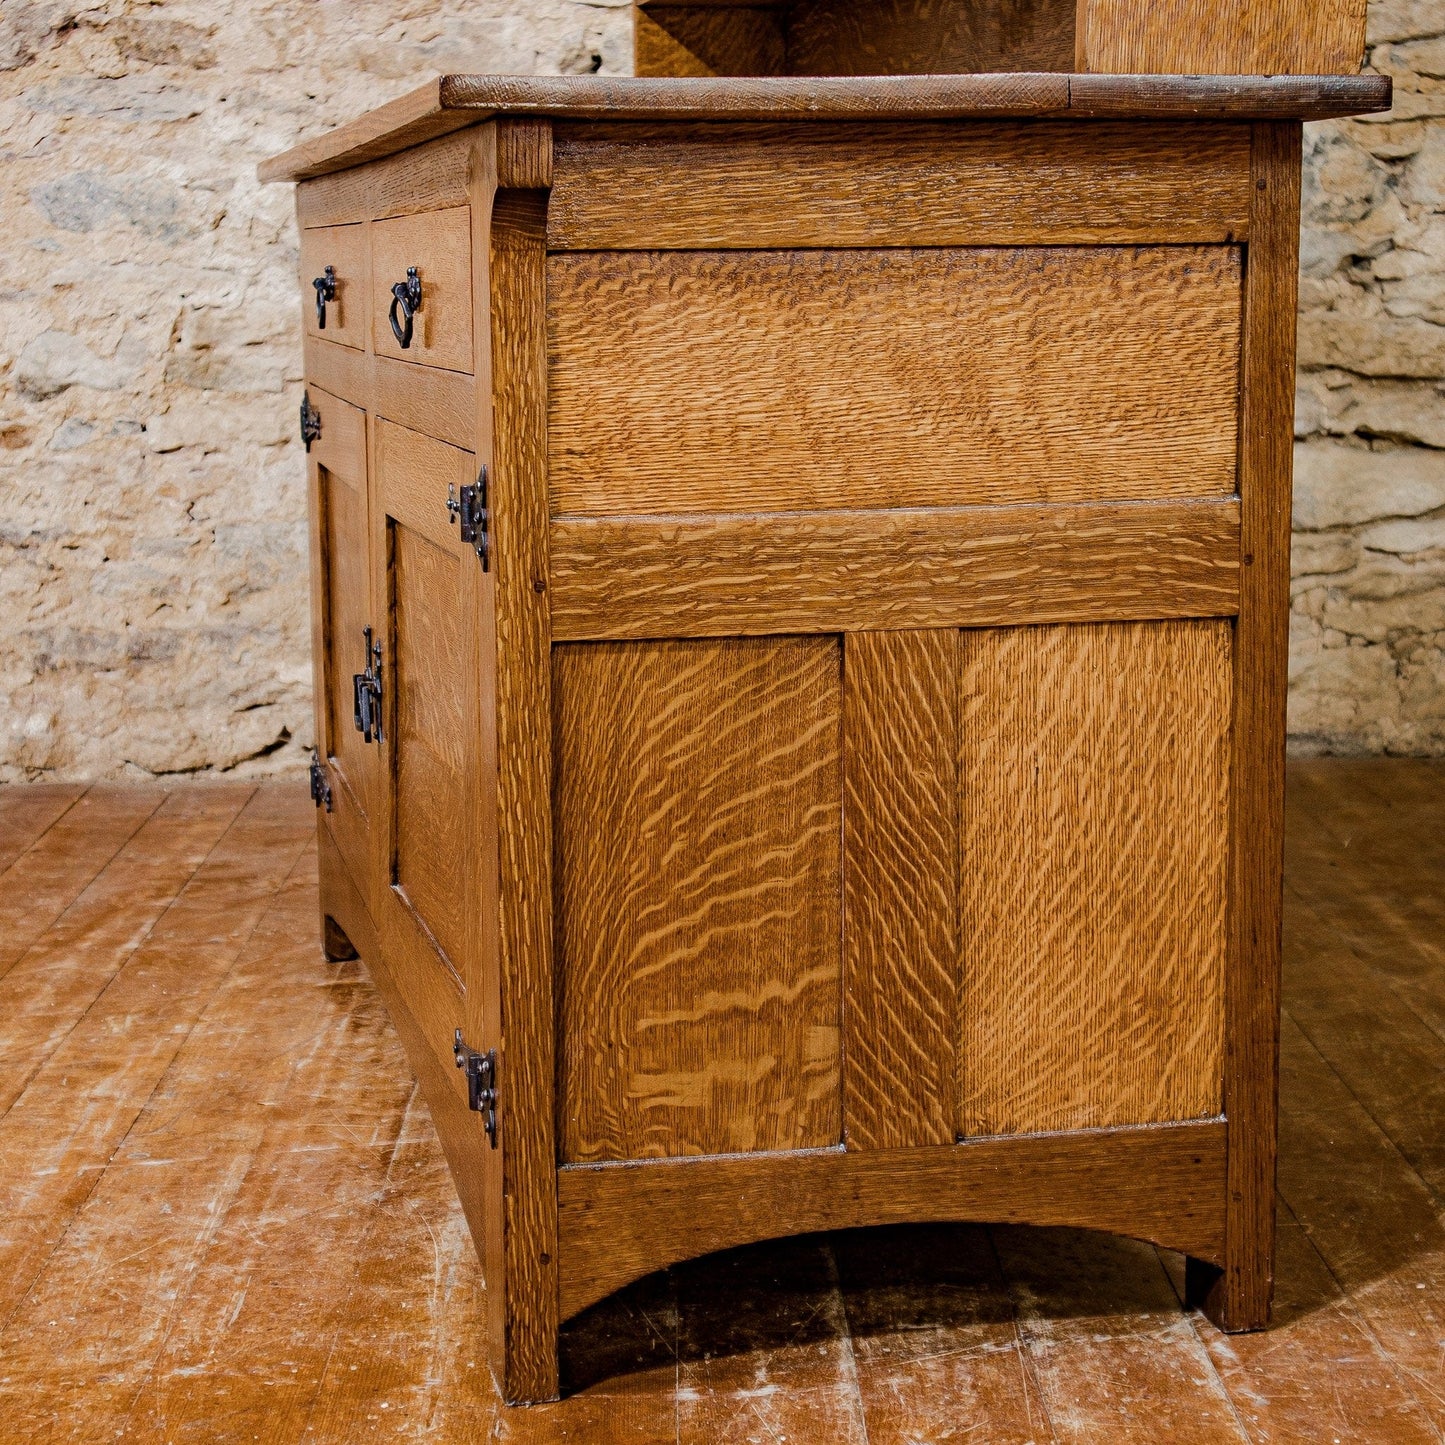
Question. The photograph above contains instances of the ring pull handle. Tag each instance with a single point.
(406, 299)
(325, 291)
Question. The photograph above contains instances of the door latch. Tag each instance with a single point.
(325, 285)
(366, 692)
(469, 509)
(310, 421)
(320, 784)
(481, 1083)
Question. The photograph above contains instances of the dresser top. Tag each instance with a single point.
(451, 102)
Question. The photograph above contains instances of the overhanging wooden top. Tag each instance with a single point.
(451, 102)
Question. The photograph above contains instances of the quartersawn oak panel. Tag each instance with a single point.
(697, 817)
(900, 887)
(797, 380)
(1094, 800)
(1203, 37)
(710, 575)
(429, 828)
(991, 183)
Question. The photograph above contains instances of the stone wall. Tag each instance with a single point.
(1368, 626)
(152, 543)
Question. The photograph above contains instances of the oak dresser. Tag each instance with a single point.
(800, 589)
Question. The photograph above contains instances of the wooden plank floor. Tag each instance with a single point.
(224, 1215)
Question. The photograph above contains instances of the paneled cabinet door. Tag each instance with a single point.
(436, 905)
(342, 617)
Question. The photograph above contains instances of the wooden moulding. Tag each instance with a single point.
(452, 101)
(617, 1222)
(636, 577)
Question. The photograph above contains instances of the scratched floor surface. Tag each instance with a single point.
(224, 1215)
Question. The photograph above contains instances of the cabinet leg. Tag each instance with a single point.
(334, 943)
(1233, 1300)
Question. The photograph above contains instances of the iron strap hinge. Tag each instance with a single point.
(469, 509)
(320, 785)
(481, 1083)
(310, 421)
(366, 692)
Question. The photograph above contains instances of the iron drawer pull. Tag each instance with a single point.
(405, 295)
(325, 285)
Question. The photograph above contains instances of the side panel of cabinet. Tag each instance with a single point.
(343, 611)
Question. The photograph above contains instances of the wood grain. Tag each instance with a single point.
(453, 101)
(441, 404)
(439, 245)
(344, 609)
(343, 248)
(1094, 796)
(431, 743)
(431, 176)
(222, 1201)
(700, 576)
(28, 813)
(524, 793)
(55, 980)
(1197, 37)
(713, 40)
(991, 183)
(900, 378)
(44, 882)
(900, 888)
(430, 746)
(620, 1221)
(919, 37)
(429, 913)
(51, 1152)
(1241, 1299)
(697, 824)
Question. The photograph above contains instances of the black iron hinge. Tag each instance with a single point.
(470, 510)
(320, 784)
(366, 692)
(481, 1083)
(310, 421)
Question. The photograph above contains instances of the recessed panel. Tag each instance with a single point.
(430, 745)
(750, 381)
(697, 828)
(1093, 825)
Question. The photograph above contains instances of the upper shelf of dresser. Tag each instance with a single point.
(451, 102)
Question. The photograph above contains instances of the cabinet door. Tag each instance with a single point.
(436, 905)
(342, 613)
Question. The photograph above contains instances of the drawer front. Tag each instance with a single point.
(706, 381)
(438, 245)
(339, 315)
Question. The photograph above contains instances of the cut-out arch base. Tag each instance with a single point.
(1163, 1183)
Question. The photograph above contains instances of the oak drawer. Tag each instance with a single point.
(343, 249)
(437, 245)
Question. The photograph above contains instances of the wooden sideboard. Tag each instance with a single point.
(800, 598)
